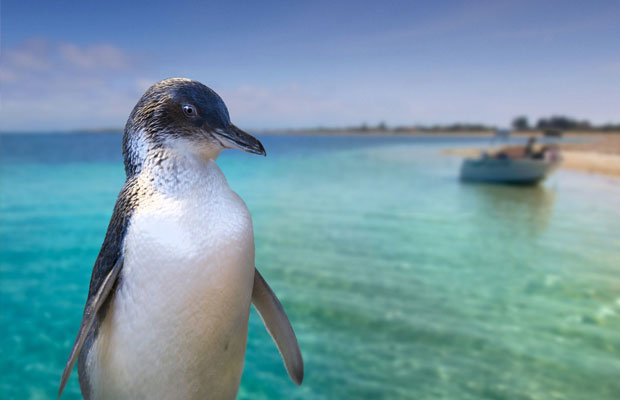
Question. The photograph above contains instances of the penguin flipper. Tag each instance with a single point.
(278, 326)
(88, 319)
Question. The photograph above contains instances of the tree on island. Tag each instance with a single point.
(521, 123)
(562, 123)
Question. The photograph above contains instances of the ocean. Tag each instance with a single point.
(400, 281)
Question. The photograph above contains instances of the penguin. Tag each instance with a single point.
(168, 304)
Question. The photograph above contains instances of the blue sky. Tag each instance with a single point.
(68, 65)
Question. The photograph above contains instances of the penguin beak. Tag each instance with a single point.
(235, 138)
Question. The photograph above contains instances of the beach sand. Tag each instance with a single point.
(598, 154)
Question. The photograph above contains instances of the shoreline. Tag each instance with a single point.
(389, 133)
(599, 153)
(590, 152)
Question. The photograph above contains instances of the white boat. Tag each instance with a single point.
(525, 171)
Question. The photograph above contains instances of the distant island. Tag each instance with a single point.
(521, 124)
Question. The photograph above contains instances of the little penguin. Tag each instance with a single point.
(168, 304)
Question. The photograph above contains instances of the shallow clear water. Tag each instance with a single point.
(400, 281)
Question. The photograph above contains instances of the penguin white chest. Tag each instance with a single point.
(177, 326)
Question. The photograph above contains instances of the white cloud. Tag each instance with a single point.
(16, 64)
(51, 86)
(296, 105)
(100, 56)
(261, 104)
(54, 86)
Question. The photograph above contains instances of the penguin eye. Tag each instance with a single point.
(189, 110)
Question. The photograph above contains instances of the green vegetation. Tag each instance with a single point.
(555, 123)
(562, 123)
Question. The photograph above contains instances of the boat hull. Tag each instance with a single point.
(524, 171)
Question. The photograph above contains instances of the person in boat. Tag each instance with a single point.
(529, 151)
(548, 152)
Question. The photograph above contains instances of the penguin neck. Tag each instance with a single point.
(141, 144)
(176, 173)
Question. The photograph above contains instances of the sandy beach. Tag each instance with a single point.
(599, 153)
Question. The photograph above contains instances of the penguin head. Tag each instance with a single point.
(184, 115)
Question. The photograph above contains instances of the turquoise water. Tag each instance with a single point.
(400, 281)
